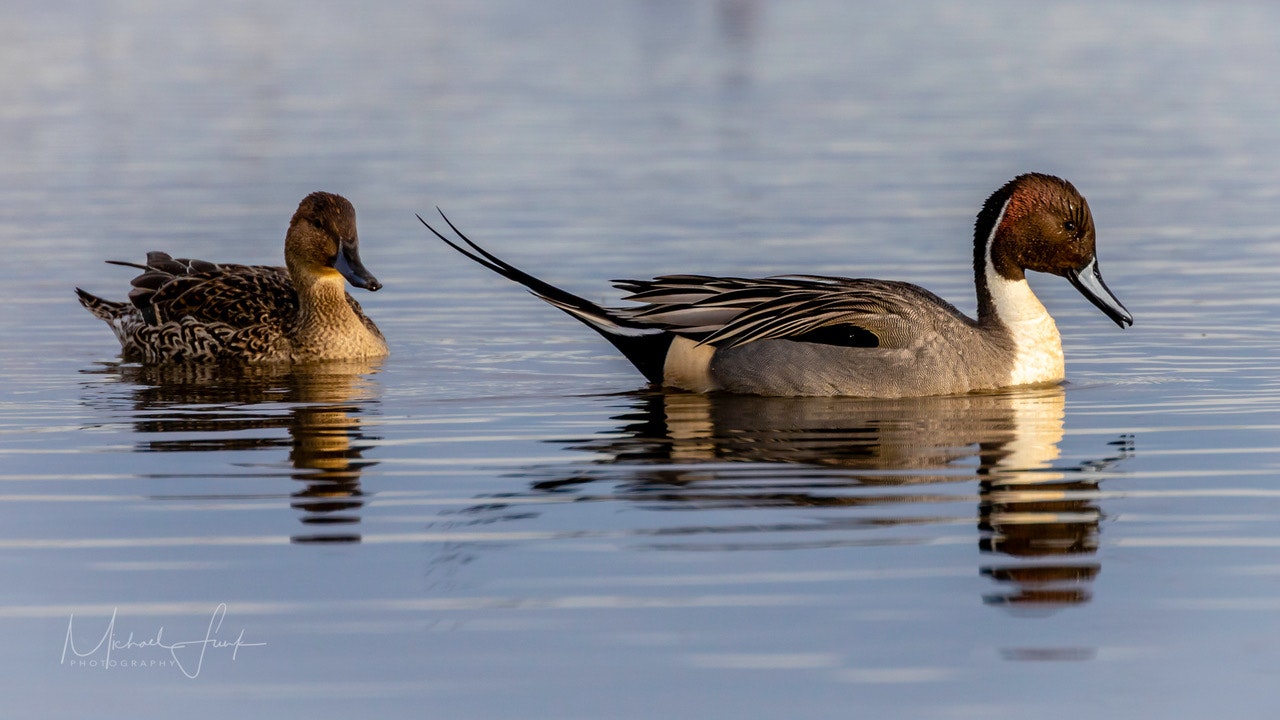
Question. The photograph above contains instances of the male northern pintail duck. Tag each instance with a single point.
(195, 311)
(826, 336)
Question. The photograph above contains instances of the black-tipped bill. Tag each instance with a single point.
(1088, 280)
(348, 263)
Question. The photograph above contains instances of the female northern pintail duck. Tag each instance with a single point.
(814, 335)
(197, 311)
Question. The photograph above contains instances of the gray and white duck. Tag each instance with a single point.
(811, 335)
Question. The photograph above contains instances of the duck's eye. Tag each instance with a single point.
(1069, 226)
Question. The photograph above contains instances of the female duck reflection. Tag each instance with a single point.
(218, 408)
(852, 451)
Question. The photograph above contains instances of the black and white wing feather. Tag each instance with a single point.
(728, 312)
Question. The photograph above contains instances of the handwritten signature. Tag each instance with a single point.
(187, 655)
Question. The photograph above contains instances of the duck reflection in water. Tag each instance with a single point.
(193, 408)
(887, 458)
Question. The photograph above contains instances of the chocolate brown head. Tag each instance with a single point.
(1042, 223)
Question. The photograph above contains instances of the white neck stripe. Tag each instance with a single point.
(1037, 346)
(991, 238)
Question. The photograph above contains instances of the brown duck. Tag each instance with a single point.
(183, 310)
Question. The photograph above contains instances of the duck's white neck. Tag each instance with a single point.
(1037, 344)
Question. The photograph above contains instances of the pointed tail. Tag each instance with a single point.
(644, 345)
(109, 311)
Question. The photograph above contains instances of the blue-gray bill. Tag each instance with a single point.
(348, 263)
(1088, 280)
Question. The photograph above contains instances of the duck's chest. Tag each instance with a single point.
(1037, 347)
(326, 330)
(1037, 351)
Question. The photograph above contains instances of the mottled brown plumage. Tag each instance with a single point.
(183, 310)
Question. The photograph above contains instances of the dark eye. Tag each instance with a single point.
(1069, 226)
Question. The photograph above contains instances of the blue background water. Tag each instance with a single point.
(496, 522)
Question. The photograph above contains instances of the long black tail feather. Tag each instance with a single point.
(644, 345)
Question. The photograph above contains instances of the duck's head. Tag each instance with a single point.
(1042, 223)
(322, 241)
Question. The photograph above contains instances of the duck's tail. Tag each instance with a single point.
(109, 311)
(644, 345)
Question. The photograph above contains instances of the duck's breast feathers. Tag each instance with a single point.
(236, 295)
(728, 312)
(364, 319)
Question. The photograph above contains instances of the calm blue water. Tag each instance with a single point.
(498, 521)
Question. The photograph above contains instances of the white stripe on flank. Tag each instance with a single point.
(1037, 344)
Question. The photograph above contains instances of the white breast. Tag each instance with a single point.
(1035, 336)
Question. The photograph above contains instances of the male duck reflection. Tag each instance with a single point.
(825, 336)
(192, 310)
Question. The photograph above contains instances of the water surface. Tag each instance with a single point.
(499, 520)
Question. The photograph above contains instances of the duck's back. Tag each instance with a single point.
(819, 336)
(240, 296)
(190, 310)
(878, 339)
